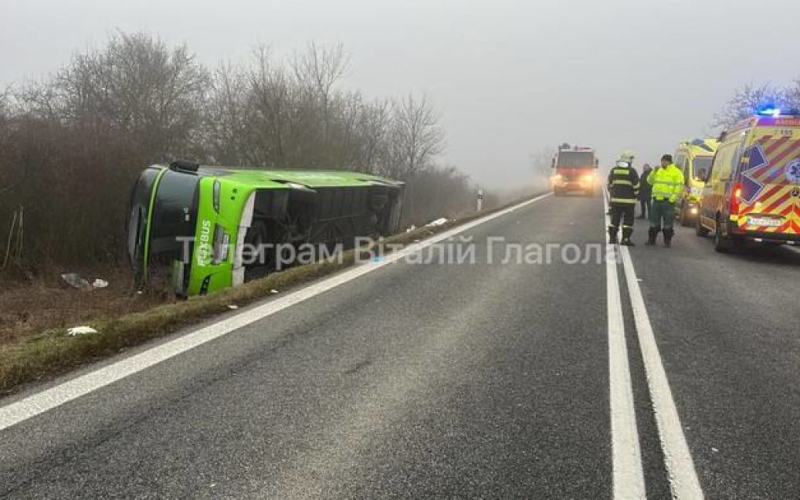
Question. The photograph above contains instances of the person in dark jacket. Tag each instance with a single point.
(623, 188)
(645, 191)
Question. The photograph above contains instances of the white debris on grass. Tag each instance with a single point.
(99, 283)
(80, 330)
(412, 228)
(438, 222)
(232, 307)
(76, 281)
(273, 291)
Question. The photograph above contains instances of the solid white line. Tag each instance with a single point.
(677, 457)
(628, 473)
(48, 399)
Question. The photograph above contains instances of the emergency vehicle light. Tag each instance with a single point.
(770, 111)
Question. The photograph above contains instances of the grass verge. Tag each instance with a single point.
(54, 352)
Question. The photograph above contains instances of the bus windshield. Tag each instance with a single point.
(174, 215)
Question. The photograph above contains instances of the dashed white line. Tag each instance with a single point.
(58, 395)
(628, 473)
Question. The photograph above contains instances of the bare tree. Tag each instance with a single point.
(136, 84)
(318, 70)
(747, 100)
(541, 162)
(270, 96)
(792, 96)
(10, 175)
(227, 116)
(416, 137)
(347, 109)
(83, 135)
(373, 127)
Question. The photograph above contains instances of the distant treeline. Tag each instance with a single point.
(71, 146)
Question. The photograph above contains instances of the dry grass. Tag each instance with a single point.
(30, 306)
(123, 319)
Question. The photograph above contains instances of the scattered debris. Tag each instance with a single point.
(99, 283)
(76, 281)
(412, 228)
(273, 291)
(80, 330)
(232, 307)
(714, 450)
(437, 222)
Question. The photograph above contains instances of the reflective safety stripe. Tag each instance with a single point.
(620, 171)
(623, 200)
(621, 182)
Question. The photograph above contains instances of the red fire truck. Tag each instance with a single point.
(575, 169)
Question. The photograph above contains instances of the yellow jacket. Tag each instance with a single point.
(667, 182)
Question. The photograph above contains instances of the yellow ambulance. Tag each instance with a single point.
(753, 190)
(694, 159)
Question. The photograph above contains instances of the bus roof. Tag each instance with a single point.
(269, 178)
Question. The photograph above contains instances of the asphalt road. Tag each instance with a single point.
(436, 380)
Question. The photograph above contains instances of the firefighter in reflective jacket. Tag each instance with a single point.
(668, 186)
(623, 188)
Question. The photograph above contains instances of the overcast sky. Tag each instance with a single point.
(509, 77)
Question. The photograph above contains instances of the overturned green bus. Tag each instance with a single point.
(201, 224)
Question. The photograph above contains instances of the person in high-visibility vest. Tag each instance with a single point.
(668, 185)
(623, 189)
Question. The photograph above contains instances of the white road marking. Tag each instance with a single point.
(58, 395)
(628, 473)
(683, 479)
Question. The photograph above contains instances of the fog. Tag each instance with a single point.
(508, 77)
